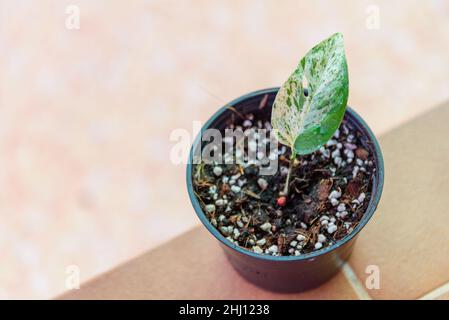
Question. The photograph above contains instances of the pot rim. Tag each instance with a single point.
(372, 206)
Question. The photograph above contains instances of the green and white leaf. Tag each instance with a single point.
(306, 123)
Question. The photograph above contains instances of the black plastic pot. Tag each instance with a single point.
(289, 273)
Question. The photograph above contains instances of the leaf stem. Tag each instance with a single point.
(287, 182)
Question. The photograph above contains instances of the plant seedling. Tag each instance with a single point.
(310, 105)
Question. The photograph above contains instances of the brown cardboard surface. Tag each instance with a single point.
(191, 266)
(407, 238)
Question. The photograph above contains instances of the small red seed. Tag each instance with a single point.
(281, 201)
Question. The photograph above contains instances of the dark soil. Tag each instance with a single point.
(328, 195)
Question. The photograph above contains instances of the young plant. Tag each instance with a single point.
(310, 105)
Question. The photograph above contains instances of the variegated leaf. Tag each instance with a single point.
(305, 120)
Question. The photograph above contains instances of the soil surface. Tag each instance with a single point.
(329, 191)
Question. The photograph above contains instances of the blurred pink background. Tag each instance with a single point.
(86, 114)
